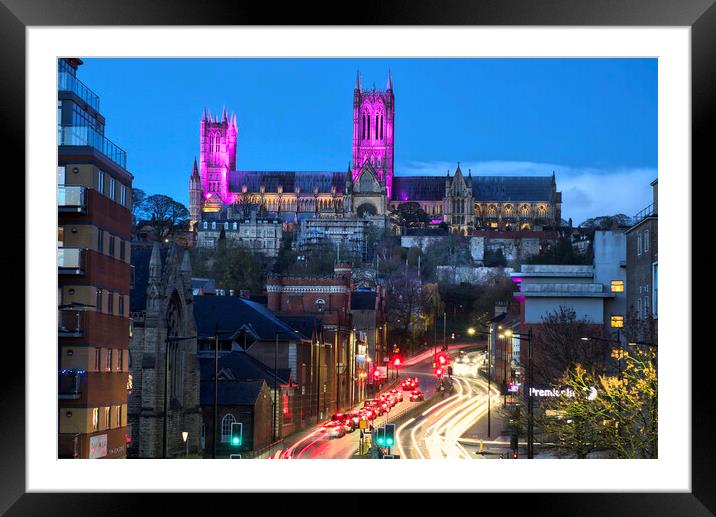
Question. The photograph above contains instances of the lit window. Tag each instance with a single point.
(617, 286)
(617, 321)
(95, 419)
(123, 195)
(226, 427)
(108, 365)
(100, 181)
(235, 226)
(206, 225)
(112, 186)
(107, 416)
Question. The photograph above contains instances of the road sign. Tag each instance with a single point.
(363, 424)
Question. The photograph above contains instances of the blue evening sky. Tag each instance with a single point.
(592, 121)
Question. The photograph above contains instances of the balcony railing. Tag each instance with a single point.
(643, 214)
(70, 261)
(68, 446)
(86, 136)
(70, 323)
(70, 83)
(71, 198)
(69, 386)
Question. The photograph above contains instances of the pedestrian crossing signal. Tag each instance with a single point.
(380, 436)
(236, 434)
(389, 435)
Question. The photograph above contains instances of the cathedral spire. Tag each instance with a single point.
(358, 85)
(195, 171)
(155, 263)
(203, 116)
(223, 114)
(390, 81)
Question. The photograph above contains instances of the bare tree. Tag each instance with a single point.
(560, 344)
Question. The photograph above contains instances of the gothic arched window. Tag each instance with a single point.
(542, 211)
(381, 126)
(363, 126)
(226, 427)
(524, 210)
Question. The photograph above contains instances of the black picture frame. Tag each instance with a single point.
(700, 15)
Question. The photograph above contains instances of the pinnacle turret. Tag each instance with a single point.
(390, 81)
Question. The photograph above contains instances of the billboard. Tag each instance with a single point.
(98, 446)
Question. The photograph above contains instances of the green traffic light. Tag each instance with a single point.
(390, 442)
(235, 441)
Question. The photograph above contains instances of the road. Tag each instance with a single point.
(434, 434)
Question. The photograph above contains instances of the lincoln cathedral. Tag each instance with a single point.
(367, 189)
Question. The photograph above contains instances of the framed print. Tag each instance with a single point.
(427, 234)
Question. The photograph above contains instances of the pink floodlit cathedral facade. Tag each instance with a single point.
(373, 131)
(217, 156)
(221, 196)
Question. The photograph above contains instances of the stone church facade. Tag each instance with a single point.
(161, 307)
(369, 186)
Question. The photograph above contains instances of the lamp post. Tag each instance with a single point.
(184, 437)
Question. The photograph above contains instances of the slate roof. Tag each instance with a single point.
(484, 188)
(307, 181)
(363, 300)
(141, 253)
(512, 188)
(418, 188)
(231, 393)
(233, 312)
(304, 324)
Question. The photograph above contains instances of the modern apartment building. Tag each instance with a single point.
(94, 276)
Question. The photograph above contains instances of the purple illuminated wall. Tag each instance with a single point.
(373, 130)
(217, 154)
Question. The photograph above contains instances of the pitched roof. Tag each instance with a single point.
(418, 188)
(289, 180)
(243, 368)
(231, 393)
(512, 188)
(484, 188)
(230, 313)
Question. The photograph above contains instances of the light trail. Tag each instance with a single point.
(397, 437)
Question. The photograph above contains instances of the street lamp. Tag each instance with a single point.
(471, 331)
(184, 437)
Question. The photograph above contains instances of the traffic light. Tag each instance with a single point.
(237, 429)
(397, 362)
(442, 359)
(439, 372)
(380, 436)
(389, 435)
(376, 374)
(452, 335)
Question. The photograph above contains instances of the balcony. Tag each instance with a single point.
(69, 386)
(70, 323)
(70, 261)
(68, 446)
(649, 211)
(86, 136)
(71, 198)
(69, 83)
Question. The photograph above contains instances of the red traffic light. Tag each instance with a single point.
(439, 372)
(376, 373)
(452, 335)
(442, 359)
(396, 361)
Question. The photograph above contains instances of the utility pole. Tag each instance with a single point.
(445, 330)
(216, 388)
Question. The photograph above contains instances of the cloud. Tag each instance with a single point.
(586, 191)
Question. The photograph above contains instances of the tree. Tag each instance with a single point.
(562, 252)
(496, 287)
(410, 214)
(138, 197)
(622, 415)
(244, 203)
(606, 222)
(559, 345)
(405, 299)
(286, 255)
(236, 267)
(494, 258)
(166, 215)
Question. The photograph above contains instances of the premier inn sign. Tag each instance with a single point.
(563, 392)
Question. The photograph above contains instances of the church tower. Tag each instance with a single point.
(217, 156)
(373, 131)
(195, 191)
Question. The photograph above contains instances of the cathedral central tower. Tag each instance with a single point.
(373, 130)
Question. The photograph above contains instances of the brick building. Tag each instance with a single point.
(643, 273)
(328, 299)
(93, 252)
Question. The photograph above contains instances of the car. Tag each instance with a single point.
(368, 414)
(355, 416)
(334, 429)
(416, 396)
(349, 426)
(375, 405)
(397, 394)
(408, 385)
